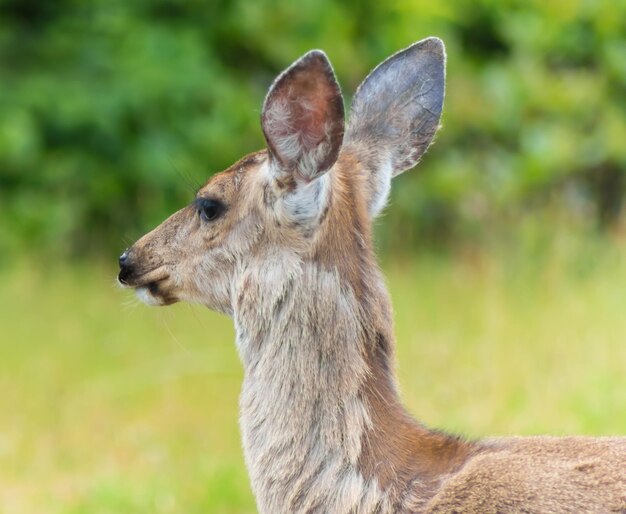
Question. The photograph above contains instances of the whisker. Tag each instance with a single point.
(130, 302)
(127, 240)
(112, 281)
(191, 182)
(194, 312)
(176, 340)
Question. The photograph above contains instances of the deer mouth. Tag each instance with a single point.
(151, 287)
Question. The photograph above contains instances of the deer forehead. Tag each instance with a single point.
(229, 182)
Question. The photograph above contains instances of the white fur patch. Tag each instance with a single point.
(299, 150)
(144, 294)
(279, 129)
(381, 186)
(303, 205)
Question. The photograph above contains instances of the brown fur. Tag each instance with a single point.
(291, 259)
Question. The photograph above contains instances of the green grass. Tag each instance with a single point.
(108, 406)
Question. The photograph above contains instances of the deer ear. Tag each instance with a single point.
(395, 114)
(303, 118)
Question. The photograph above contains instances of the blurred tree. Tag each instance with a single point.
(113, 112)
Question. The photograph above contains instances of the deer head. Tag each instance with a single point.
(310, 196)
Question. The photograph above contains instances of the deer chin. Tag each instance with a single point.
(152, 294)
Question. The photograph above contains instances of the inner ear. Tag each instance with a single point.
(303, 118)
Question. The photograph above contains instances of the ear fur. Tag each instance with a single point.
(395, 114)
(303, 118)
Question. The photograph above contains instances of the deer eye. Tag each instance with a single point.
(209, 209)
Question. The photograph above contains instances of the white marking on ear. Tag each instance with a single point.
(279, 128)
(381, 188)
(297, 147)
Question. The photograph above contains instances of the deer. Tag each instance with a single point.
(281, 241)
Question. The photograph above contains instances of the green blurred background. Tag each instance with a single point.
(504, 249)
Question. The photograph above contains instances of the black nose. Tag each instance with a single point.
(126, 269)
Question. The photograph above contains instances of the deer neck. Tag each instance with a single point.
(308, 419)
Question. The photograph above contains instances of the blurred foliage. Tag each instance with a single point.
(112, 112)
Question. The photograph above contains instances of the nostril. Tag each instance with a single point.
(125, 274)
(126, 269)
